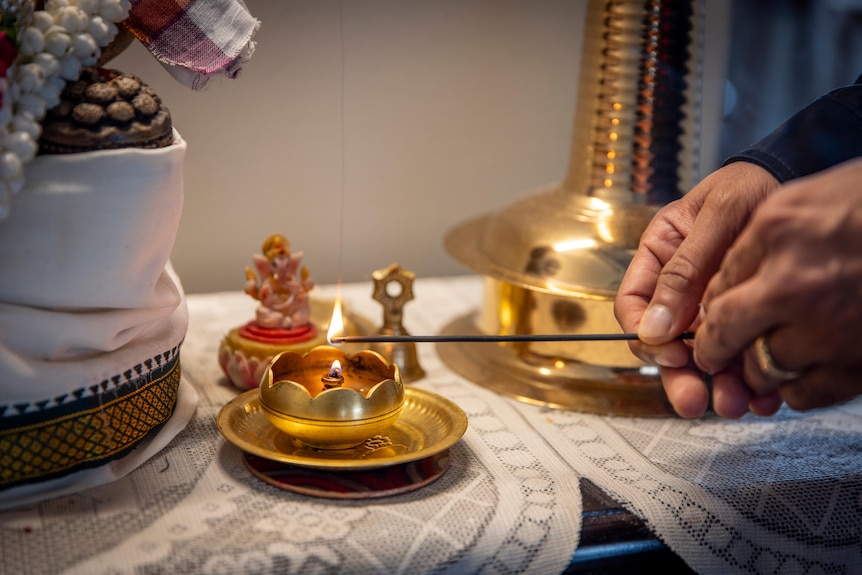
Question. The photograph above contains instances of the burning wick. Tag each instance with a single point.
(334, 378)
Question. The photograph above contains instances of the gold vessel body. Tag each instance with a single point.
(293, 397)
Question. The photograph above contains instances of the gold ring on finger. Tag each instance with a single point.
(766, 362)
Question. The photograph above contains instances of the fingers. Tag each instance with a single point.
(731, 195)
(674, 303)
(740, 263)
(767, 286)
(686, 391)
(766, 405)
(763, 372)
(673, 354)
(758, 290)
(745, 300)
(790, 270)
(733, 321)
(822, 387)
(658, 243)
(730, 396)
(679, 252)
(637, 285)
(791, 273)
(816, 386)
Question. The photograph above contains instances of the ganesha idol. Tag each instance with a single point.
(283, 319)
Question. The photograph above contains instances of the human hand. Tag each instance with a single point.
(795, 273)
(659, 296)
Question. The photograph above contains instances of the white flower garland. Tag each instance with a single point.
(53, 45)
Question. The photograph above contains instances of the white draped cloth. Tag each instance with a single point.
(91, 313)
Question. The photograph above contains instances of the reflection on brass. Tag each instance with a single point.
(553, 260)
(393, 288)
(555, 381)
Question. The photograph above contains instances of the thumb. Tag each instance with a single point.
(680, 286)
(729, 196)
(681, 283)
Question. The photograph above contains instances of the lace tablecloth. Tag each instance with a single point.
(760, 495)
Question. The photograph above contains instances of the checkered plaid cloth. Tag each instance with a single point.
(195, 39)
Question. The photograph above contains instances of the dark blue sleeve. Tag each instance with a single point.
(822, 135)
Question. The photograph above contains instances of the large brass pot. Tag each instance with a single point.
(553, 260)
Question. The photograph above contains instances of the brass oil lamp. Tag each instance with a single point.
(553, 260)
(328, 399)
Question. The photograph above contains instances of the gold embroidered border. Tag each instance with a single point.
(88, 437)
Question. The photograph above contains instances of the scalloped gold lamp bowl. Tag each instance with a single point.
(294, 399)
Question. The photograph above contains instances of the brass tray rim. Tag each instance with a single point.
(248, 403)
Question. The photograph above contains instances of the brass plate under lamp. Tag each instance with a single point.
(553, 260)
(428, 424)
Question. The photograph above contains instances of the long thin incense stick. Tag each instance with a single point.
(482, 338)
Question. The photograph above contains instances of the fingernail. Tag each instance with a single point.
(655, 324)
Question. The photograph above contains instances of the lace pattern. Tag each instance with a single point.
(777, 495)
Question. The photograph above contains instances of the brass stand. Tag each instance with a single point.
(393, 288)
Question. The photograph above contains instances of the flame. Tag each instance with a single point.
(335, 369)
(336, 323)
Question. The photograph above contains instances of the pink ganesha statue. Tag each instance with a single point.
(283, 322)
(283, 286)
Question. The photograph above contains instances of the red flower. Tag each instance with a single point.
(8, 53)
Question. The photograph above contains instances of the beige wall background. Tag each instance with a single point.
(364, 130)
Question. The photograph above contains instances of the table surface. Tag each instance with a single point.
(529, 489)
